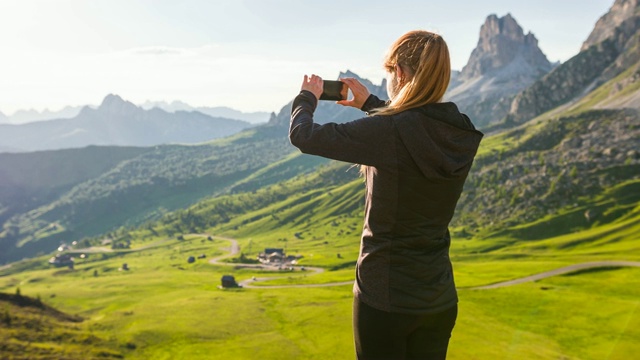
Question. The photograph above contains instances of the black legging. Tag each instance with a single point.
(391, 336)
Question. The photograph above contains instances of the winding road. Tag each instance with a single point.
(235, 249)
(559, 271)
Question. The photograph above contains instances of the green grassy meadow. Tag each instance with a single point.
(166, 308)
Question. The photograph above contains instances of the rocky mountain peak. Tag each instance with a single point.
(620, 12)
(114, 104)
(506, 26)
(505, 62)
(612, 48)
(502, 41)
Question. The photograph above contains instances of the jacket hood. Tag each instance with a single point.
(441, 140)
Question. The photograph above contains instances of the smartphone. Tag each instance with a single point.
(334, 90)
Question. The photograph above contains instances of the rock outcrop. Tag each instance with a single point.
(612, 48)
(620, 12)
(505, 62)
(502, 44)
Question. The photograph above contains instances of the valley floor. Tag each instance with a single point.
(166, 308)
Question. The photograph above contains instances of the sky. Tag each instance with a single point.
(250, 55)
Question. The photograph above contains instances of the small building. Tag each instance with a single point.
(270, 251)
(228, 281)
(63, 247)
(271, 256)
(60, 260)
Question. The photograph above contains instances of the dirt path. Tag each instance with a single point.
(5, 266)
(298, 270)
(235, 249)
(560, 271)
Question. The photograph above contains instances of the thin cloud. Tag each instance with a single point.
(160, 51)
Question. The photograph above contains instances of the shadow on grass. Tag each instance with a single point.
(593, 270)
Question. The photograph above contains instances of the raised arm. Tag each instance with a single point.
(364, 141)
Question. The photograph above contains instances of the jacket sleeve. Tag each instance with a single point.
(373, 102)
(363, 141)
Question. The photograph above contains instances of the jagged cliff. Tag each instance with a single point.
(502, 43)
(620, 12)
(504, 62)
(611, 53)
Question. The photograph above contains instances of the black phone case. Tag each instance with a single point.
(332, 90)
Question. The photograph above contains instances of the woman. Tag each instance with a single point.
(415, 152)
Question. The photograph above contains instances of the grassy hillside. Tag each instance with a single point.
(166, 308)
(29, 180)
(143, 186)
(44, 169)
(551, 178)
(525, 211)
(30, 329)
(318, 217)
(548, 164)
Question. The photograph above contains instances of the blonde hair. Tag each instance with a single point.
(424, 57)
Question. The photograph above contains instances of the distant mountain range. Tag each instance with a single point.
(117, 122)
(26, 116)
(68, 112)
(218, 111)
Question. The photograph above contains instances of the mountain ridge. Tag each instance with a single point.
(118, 122)
(592, 67)
(605, 27)
(24, 116)
(256, 117)
(504, 62)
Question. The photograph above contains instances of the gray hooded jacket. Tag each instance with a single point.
(416, 165)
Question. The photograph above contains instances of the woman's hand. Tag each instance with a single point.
(313, 84)
(359, 91)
